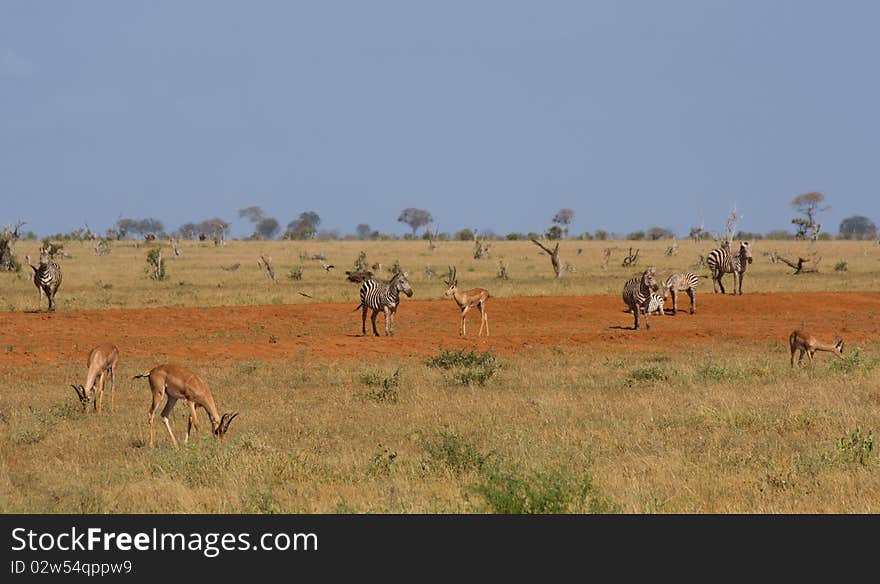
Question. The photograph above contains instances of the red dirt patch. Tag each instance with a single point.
(331, 332)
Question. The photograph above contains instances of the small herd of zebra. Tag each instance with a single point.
(640, 293)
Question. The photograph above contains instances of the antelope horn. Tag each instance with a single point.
(225, 420)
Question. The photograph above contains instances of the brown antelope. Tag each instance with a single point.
(176, 382)
(102, 359)
(808, 344)
(467, 300)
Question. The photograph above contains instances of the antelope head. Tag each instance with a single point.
(223, 425)
(451, 282)
(81, 394)
(403, 284)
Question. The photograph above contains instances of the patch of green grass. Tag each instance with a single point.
(451, 451)
(201, 463)
(856, 447)
(467, 368)
(715, 372)
(853, 362)
(649, 374)
(508, 489)
(387, 388)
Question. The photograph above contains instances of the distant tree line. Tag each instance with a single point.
(306, 226)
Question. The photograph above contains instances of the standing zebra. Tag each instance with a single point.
(47, 278)
(722, 261)
(384, 296)
(682, 282)
(637, 295)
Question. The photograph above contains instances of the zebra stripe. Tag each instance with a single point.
(722, 261)
(656, 304)
(385, 296)
(682, 282)
(637, 295)
(47, 279)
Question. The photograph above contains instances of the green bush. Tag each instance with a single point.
(387, 387)
(467, 368)
(853, 362)
(453, 452)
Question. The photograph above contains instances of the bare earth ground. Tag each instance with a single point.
(331, 332)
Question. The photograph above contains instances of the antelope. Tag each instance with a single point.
(808, 344)
(177, 382)
(467, 300)
(102, 359)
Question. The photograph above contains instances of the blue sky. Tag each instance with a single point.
(489, 114)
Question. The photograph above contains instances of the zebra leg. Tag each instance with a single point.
(647, 324)
(693, 296)
(40, 301)
(720, 283)
(51, 297)
(389, 328)
(364, 320)
(741, 274)
(373, 320)
(636, 316)
(674, 301)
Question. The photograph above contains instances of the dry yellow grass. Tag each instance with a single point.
(695, 433)
(709, 430)
(119, 280)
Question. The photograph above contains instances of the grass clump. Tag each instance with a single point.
(853, 362)
(715, 372)
(384, 389)
(508, 489)
(451, 451)
(649, 374)
(467, 368)
(856, 447)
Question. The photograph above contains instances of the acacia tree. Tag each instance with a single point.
(809, 205)
(264, 227)
(303, 227)
(415, 218)
(857, 227)
(564, 217)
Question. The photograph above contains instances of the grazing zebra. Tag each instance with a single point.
(384, 296)
(637, 295)
(722, 261)
(682, 282)
(47, 278)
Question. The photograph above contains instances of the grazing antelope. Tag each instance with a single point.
(808, 344)
(467, 300)
(102, 359)
(176, 382)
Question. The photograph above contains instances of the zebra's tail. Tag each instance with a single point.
(142, 375)
(358, 307)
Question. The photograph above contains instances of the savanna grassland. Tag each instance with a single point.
(562, 409)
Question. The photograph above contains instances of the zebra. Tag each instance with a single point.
(637, 295)
(47, 278)
(682, 282)
(384, 296)
(656, 305)
(722, 261)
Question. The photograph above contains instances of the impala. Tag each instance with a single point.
(467, 300)
(808, 344)
(175, 382)
(102, 359)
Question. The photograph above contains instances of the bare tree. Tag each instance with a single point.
(8, 237)
(265, 264)
(558, 268)
(631, 259)
(606, 257)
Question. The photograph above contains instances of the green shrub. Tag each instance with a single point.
(466, 368)
(453, 452)
(648, 374)
(853, 362)
(857, 447)
(387, 387)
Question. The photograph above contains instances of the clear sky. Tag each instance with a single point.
(489, 114)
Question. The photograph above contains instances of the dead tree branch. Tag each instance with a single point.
(554, 257)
